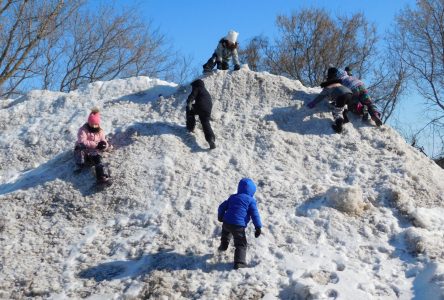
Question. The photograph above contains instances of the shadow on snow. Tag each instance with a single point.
(167, 260)
(123, 138)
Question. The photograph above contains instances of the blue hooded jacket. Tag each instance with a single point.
(239, 208)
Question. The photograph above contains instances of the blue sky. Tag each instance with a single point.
(194, 27)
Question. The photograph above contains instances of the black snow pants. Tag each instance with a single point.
(204, 120)
(240, 241)
(82, 158)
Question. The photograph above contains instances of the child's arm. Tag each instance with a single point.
(254, 213)
(221, 210)
(235, 57)
(318, 98)
(192, 96)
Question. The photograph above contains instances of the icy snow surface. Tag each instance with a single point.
(351, 216)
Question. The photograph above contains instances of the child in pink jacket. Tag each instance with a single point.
(90, 143)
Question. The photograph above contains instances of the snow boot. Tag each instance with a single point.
(239, 265)
(376, 119)
(337, 127)
(365, 115)
(223, 247)
(345, 116)
(212, 144)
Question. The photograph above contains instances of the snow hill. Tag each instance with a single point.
(353, 216)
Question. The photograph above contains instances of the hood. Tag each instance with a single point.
(246, 186)
(198, 83)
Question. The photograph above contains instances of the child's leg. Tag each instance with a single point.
(209, 65)
(365, 99)
(338, 112)
(191, 120)
(100, 169)
(224, 238)
(79, 155)
(208, 131)
(240, 244)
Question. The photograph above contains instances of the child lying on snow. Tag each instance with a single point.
(361, 100)
(235, 213)
(90, 143)
(338, 94)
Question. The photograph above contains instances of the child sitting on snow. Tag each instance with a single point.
(90, 143)
(235, 213)
(226, 49)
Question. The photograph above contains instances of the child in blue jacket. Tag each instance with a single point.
(235, 213)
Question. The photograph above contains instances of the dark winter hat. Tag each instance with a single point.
(332, 73)
(198, 82)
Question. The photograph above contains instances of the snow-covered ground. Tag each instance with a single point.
(353, 216)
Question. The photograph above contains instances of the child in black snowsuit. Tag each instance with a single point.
(226, 49)
(235, 213)
(202, 107)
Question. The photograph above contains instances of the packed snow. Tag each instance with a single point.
(357, 215)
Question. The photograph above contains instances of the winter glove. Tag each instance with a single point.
(257, 232)
(101, 145)
(236, 67)
(311, 104)
(220, 218)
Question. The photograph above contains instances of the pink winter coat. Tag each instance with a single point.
(90, 139)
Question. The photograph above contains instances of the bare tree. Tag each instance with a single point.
(418, 39)
(253, 53)
(108, 45)
(311, 40)
(23, 26)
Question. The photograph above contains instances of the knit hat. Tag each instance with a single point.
(332, 73)
(232, 36)
(94, 117)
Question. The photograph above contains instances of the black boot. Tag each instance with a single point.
(375, 117)
(223, 246)
(101, 177)
(337, 127)
(239, 265)
(212, 144)
(345, 116)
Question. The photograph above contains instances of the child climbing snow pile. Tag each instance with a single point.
(235, 213)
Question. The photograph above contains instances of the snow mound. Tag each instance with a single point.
(347, 200)
(154, 232)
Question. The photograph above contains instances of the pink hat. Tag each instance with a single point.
(94, 118)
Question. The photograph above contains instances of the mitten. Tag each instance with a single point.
(257, 232)
(220, 218)
(101, 145)
(236, 67)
